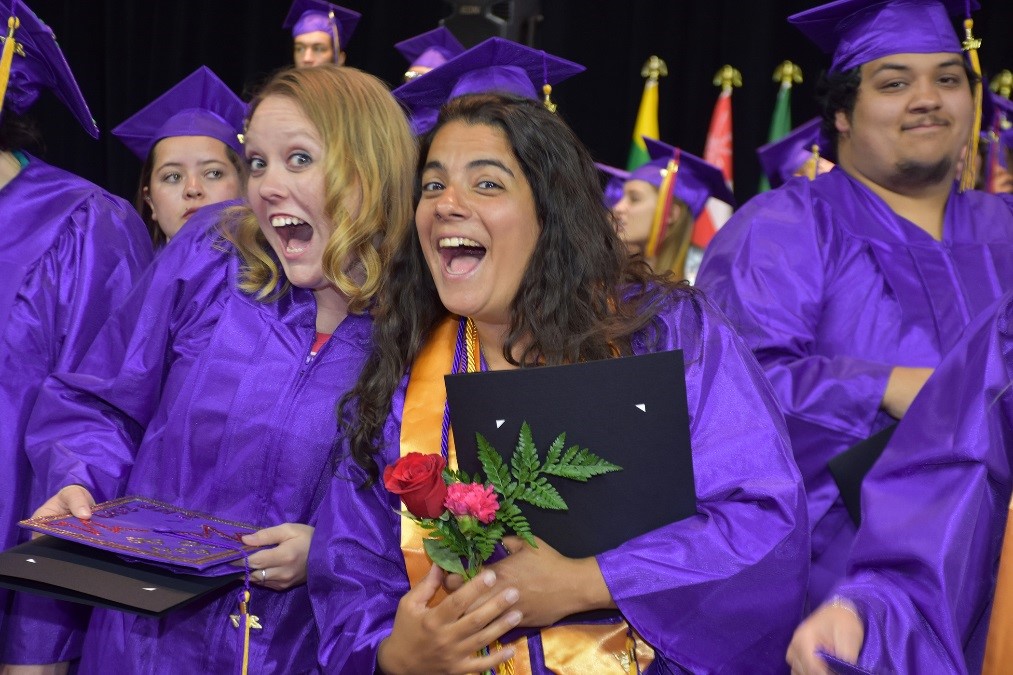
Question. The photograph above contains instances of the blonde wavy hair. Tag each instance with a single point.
(369, 159)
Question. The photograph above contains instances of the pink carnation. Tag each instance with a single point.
(472, 499)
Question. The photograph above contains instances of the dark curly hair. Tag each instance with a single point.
(18, 133)
(581, 297)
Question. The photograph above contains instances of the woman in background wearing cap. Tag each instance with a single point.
(69, 254)
(188, 139)
(661, 232)
(214, 388)
(514, 245)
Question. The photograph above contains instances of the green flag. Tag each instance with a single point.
(780, 123)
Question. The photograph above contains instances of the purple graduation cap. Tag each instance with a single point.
(615, 179)
(200, 105)
(695, 180)
(310, 16)
(36, 64)
(859, 31)
(496, 65)
(780, 159)
(430, 49)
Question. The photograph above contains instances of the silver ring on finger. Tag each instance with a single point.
(263, 575)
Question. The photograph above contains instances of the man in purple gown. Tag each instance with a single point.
(922, 580)
(69, 253)
(850, 288)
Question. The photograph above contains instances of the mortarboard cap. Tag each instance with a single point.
(36, 64)
(859, 31)
(780, 159)
(200, 105)
(1004, 114)
(493, 65)
(695, 181)
(309, 16)
(615, 179)
(430, 49)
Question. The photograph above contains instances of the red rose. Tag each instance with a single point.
(418, 479)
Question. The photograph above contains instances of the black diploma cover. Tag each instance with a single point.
(631, 411)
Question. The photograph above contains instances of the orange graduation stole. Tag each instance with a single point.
(999, 645)
(574, 648)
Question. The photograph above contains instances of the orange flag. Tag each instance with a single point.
(718, 152)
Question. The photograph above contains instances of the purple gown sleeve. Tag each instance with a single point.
(356, 570)
(922, 571)
(88, 423)
(64, 299)
(769, 269)
(721, 590)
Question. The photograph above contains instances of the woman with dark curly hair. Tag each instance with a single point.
(214, 387)
(513, 244)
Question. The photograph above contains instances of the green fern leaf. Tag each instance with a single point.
(496, 470)
(524, 461)
(543, 495)
(580, 464)
(552, 457)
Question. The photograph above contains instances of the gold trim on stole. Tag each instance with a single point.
(578, 648)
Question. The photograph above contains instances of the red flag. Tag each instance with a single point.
(718, 152)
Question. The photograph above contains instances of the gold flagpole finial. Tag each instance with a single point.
(728, 77)
(788, 74)
(653, 69)
(1002, 83)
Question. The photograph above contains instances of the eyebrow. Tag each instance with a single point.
(202, 162)
(902, 67)
(473, 164)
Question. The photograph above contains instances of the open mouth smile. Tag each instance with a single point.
(295, 233)
(460, 255)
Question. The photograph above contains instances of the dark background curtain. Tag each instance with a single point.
(126, 52)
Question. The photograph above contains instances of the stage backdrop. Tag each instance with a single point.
(126, 52)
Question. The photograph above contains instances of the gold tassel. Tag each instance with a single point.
(971, 46)
(13, 23)
(661, 210)
(246, 619)
(815, 159)
(547, 91)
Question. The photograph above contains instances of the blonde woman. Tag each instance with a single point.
(215, 387)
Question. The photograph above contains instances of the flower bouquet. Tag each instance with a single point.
(467, 516)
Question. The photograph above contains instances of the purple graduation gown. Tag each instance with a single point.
(831, 289)
(69, 254)
(197, 394)
(720, 591)
(923, 579)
